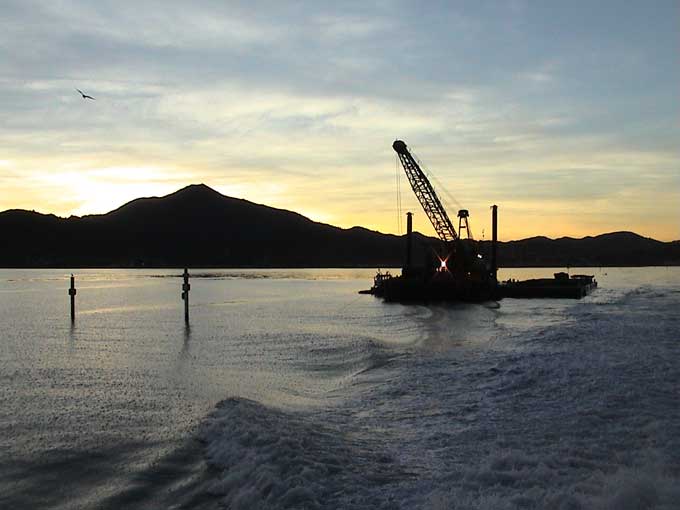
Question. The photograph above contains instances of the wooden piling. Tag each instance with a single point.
(72, 292)
(185, 294)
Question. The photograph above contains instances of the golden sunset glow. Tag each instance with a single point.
(566, 142)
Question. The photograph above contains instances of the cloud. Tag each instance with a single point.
(297, 105)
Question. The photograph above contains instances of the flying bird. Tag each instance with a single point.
(85, 96)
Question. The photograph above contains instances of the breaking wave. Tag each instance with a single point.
(270, 458)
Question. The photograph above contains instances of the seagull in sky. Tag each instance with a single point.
(85, 96)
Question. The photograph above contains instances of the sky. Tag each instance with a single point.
(565, 114)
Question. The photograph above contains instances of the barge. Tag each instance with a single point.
(443, 288)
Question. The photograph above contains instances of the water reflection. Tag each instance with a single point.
(184, 353)
(72, 331)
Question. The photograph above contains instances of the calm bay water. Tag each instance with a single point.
(289, 390)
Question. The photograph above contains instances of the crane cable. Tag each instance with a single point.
(398, 181)
(449, 199)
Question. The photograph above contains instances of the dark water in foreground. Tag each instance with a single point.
(291, 391)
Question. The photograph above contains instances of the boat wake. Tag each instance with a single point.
(576, 412)
(270, 458)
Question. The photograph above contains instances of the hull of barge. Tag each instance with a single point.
(414, 290)
(403, 289)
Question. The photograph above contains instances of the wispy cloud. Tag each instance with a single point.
(296, 105)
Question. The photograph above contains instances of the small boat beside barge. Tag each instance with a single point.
(561, 286)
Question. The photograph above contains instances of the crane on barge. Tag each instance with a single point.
(425, 194)
(462, 257)
(462, 273)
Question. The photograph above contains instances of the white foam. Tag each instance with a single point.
(268, 458)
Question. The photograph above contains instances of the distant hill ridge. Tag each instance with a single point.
(199, 227)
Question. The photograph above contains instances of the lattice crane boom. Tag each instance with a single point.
(425, 193)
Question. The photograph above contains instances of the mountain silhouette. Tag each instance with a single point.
(199, 227)
(612, 249)
(195, 226)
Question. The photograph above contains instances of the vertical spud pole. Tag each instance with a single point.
(494, 242)
(72, 293)
(185, 294)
